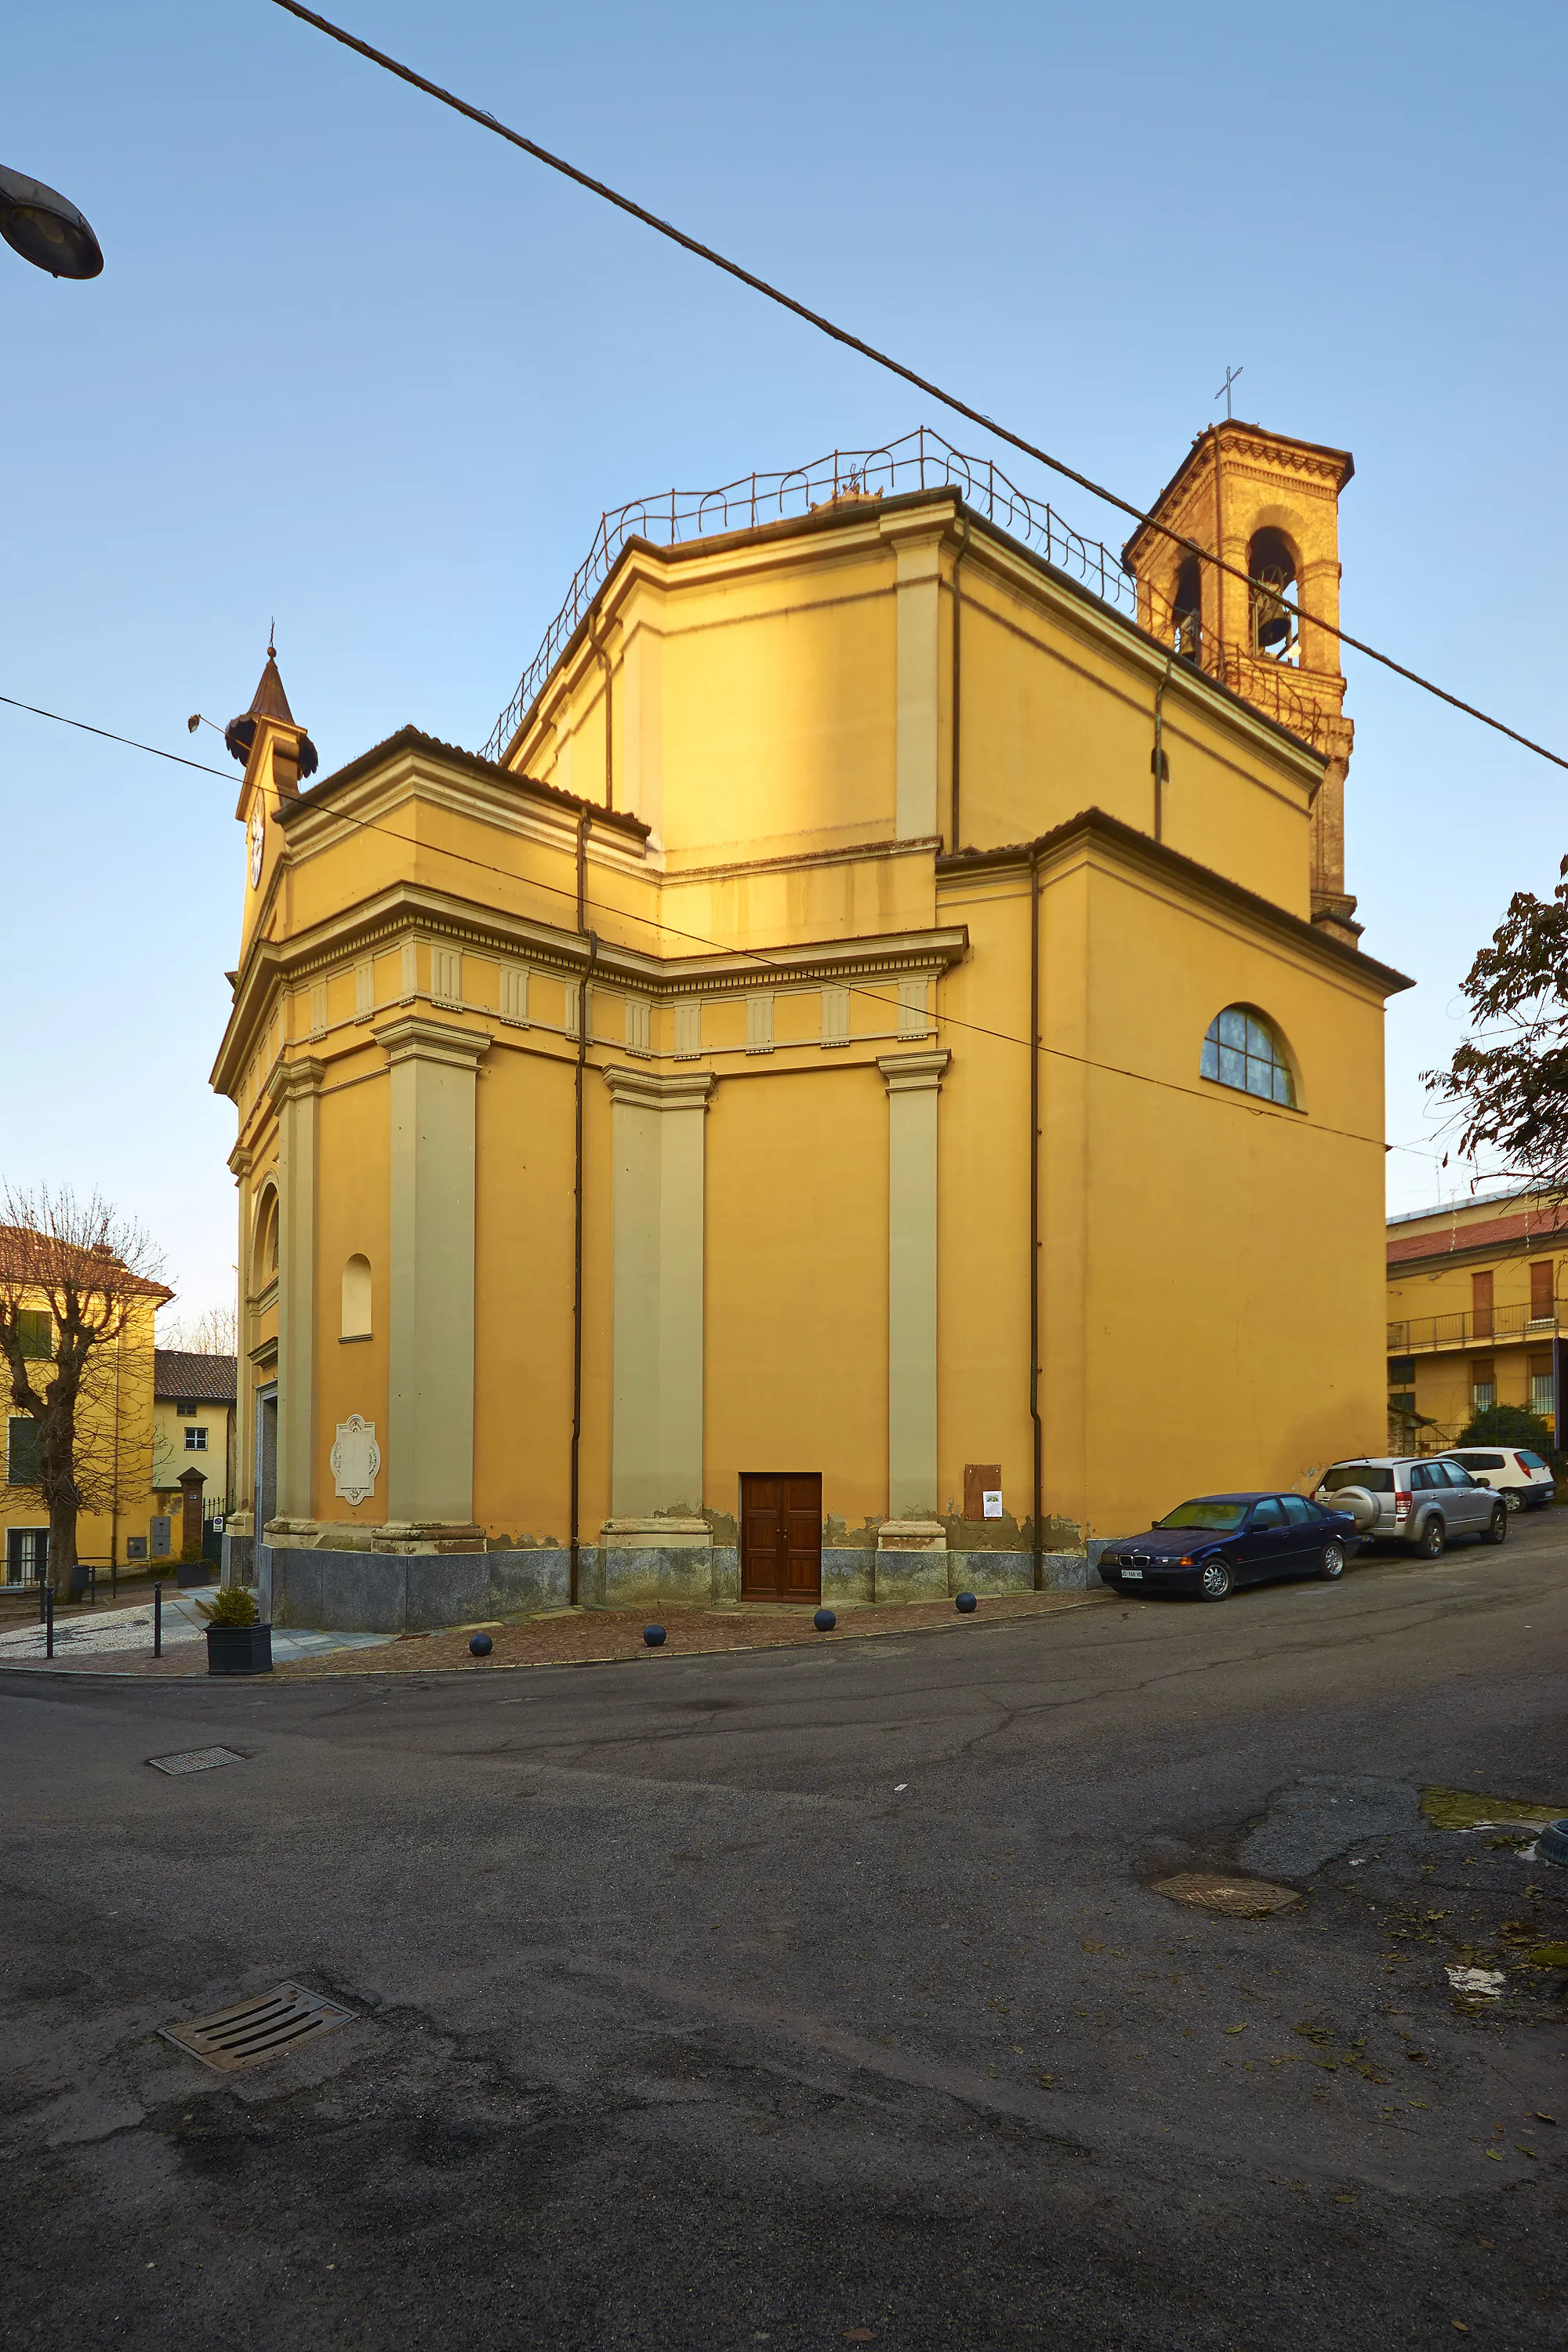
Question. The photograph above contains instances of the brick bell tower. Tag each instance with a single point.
(1270, 507)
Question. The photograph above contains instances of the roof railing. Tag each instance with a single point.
(921, 460)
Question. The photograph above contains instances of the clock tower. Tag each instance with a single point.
(278, 756)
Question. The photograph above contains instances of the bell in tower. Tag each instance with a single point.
(1267, 505)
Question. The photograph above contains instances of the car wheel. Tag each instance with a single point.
(1216, 1580)
(1333, 1563)
(1430, 1541)
(1497, 1528)
(1512, 1497)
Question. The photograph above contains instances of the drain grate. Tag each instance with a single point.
(195, 1760)
(259, 2028)
(1237, 1898)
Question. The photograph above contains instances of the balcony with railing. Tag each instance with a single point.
(1484, 1327)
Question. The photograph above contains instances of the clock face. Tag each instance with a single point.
(257, 837)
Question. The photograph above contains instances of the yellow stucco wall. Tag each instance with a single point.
(116, 1418)
(786, 921)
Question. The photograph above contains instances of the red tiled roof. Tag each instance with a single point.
(201, 1380)
(1494, 1232)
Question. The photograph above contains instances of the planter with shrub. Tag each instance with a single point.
(236, 1644)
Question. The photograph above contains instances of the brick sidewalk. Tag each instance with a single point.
(598, 1637)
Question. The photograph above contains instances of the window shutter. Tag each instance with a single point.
(22, 1464)
(36, 1332)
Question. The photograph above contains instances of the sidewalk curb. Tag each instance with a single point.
(550, 1665)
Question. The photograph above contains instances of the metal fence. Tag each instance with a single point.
(1475, 1327)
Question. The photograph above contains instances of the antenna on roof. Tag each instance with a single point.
(1224, 392)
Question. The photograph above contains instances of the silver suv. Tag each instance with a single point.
(1421, 1504)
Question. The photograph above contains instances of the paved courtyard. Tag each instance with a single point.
(808, 1996)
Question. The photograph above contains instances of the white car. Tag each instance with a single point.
(1521, 1478)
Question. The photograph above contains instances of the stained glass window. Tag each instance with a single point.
(1242, 1051)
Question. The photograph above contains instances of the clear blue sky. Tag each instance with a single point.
(356, 364)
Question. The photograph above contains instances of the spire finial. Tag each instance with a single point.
(271, 638)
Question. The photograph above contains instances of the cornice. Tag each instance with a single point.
(412, 1038)
(683, 1090)
(909, 1074)
(1094, 827)
(289, 1081)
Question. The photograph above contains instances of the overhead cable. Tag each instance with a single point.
(758, 956)
(881, 358)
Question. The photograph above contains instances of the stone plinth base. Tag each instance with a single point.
(343, 1590)
(656, 1534)
(912, 1535)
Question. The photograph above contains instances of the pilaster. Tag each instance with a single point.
(430, 1336)
(919, 563)
(913, 1081)
(294, 1087)
(656, 1259)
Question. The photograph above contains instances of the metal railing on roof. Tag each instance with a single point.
(923, 460)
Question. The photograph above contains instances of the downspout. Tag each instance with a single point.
(957, 676)
(114, 1487)
(1039, 1499)
(1159, 749)
(603, 653)
(584, 822)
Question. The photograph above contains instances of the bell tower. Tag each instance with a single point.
(1269, 506)
(277, 754)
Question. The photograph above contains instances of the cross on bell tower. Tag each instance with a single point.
(1269, 506)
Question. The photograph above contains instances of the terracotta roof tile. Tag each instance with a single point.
(204, 1379)
(1495, 1233)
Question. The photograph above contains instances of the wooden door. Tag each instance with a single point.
(781, 1536)
(1542, 1302)
(1481, 1305)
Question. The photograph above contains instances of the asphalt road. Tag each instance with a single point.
(808, 1997)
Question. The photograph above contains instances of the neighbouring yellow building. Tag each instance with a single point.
(1473, 1313)
(868, 1083)
(114, 1447)
(192, 1430)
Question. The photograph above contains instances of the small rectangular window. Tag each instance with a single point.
(37, 1333)
(195, 1441)
(759, 1025)
(22, 1467)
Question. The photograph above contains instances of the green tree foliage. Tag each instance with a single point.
(1508, 1424)
(1509, 1084)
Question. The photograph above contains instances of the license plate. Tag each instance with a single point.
(1133, 1576)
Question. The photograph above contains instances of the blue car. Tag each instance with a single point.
(1217, 1541)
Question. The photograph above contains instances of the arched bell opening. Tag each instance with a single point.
(1188, 612)
(1271, 568)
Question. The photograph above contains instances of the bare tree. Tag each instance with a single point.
(213, 1333)
(87, 1269)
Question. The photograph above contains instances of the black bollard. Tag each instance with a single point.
(50, 1621)
(157, 1621)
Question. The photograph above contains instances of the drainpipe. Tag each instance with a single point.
(583, 1017)
(1159, 752)
(603, 653)
(1035, 1215)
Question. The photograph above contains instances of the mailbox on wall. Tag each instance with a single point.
(159, 1529)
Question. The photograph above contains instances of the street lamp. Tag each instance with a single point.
(41, 225)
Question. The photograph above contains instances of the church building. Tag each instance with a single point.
(870, 1080)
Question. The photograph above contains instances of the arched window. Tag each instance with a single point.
(356, 1298)
(1242, 1050)
(1187, 616)
(1272, 570)
(264, 1257)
